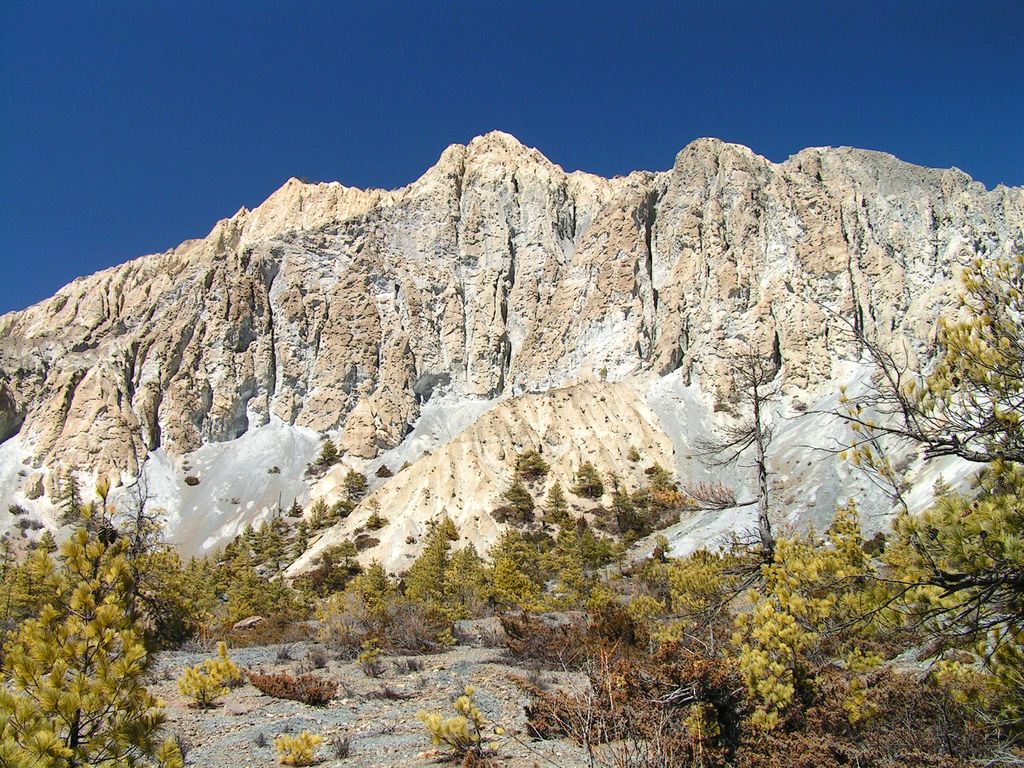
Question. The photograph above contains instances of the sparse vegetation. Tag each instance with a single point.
(376, 521)
(341, 747)
(369, 659)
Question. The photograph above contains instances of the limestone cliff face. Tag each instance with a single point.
(493, 275)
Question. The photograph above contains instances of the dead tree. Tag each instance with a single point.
(754, 385)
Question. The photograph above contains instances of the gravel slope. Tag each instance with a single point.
(382, 731)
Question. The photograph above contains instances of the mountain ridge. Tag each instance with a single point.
(495, 274)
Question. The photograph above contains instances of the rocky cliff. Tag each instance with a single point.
(333, 310)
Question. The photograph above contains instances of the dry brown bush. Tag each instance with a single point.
(398, 627)
(308, 689)
(667, 710)
(270, 632)
(915, 723)
(414, 628)
(553, 641)
(680, 707)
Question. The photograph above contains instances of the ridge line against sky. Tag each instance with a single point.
(126, 129)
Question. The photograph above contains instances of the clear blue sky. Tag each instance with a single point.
(128, 127)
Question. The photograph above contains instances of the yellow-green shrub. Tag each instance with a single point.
(369, 659)
(811, 585)
(297, 750)
(463, 733)
(209, 681)
(225, 668)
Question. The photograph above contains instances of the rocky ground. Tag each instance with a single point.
(376, 716)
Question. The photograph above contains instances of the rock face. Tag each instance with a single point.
(495, 274)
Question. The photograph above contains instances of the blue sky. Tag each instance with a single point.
(126, 128)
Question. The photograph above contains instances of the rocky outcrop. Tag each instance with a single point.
(495, 274)
(11, 414)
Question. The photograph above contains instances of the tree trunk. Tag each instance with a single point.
(764, 526)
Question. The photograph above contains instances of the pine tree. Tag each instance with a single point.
(700, 585)
(27, 586)
(810, 586)
(328, 454)
(520, 502)
(588, 482)
(318, 512)
(170, 606)
(337, 565)
(71, 499)
(556, 508)
(629, 523)
(530, 465)
(513, 585)
(376, 520)
(567, 560)
(374, 589)
(597, 552)
(424, 581)
(658, 478)
(971, 403)
(45, 543)
(74, 694)
(959, 565)
(467, 587)
(270, 545)
(301, 540)
(251, 595)
(355, 485)
(958, 573)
